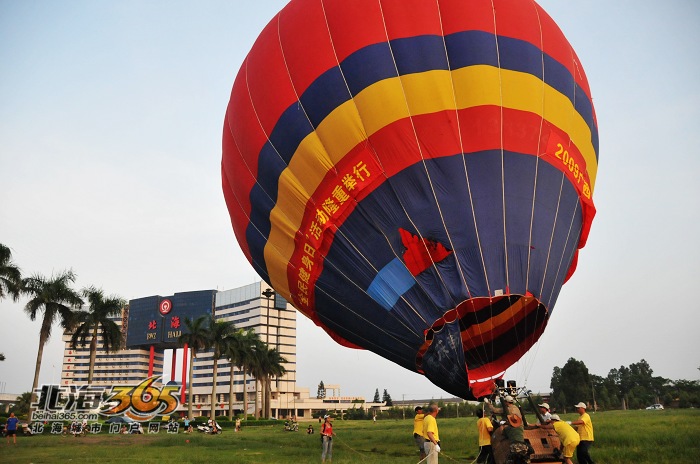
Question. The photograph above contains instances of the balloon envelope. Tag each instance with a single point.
(415, 177)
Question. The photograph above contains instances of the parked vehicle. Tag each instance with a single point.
(209, 427)
(656, 406)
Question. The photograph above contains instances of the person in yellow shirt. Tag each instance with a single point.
(432, 437)
(418, 431)
(584, 426)
(567, 436)
(485, 427)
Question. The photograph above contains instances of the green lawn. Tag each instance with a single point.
(669, 436)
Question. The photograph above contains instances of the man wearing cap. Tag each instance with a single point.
(544, 412)
(430, 432)
(584, 426)
(418, 431)
(567, 436)
(509, 409)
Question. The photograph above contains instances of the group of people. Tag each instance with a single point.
(579, 439)
(427, 438)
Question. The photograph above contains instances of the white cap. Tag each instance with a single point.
(555, 417)
(544, 405)
(581, 405)
(509, 399)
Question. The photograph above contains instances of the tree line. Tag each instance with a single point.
(89, 313)
(626, 387)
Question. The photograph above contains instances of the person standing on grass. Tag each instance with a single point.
(418, 431)
(430, 432)
(485, 427)
(567, 436)
(584, 427)
(11, 428)
(327, 435)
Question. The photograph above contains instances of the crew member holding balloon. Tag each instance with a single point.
(519, 451)
(567, 436)
(430, 432)
(584, 427)
(509, 408)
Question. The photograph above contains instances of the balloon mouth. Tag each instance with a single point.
(492, 332)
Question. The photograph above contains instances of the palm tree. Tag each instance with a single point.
(219, 333)
(272, 366)
(95, 320)
(255, 368)
(23, 403)
(196, 337)
(57, 300)
(239, 351)
(268, 362)
(10, 275)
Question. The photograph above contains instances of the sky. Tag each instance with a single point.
(111, 115)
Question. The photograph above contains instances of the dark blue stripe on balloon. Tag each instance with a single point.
(471, 48)
(419, 54)
(290, 130)
(367, 66)
(324, 95)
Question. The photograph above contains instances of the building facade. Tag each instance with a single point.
(251, 307)
(152, 325)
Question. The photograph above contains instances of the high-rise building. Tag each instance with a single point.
(253, 307)
(152, 325)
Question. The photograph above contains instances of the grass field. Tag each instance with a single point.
(669, 436)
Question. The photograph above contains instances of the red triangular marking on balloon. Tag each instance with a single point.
(420, 253)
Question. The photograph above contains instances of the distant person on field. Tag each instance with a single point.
(11, 428)
(584, 427)
(418, 431)
(327, 435)
(238, 424)
(567, 436)
(485, 428)
(431, 434)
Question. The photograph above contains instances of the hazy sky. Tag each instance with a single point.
(111, 116)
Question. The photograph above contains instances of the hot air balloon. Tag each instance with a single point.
(414, 176)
